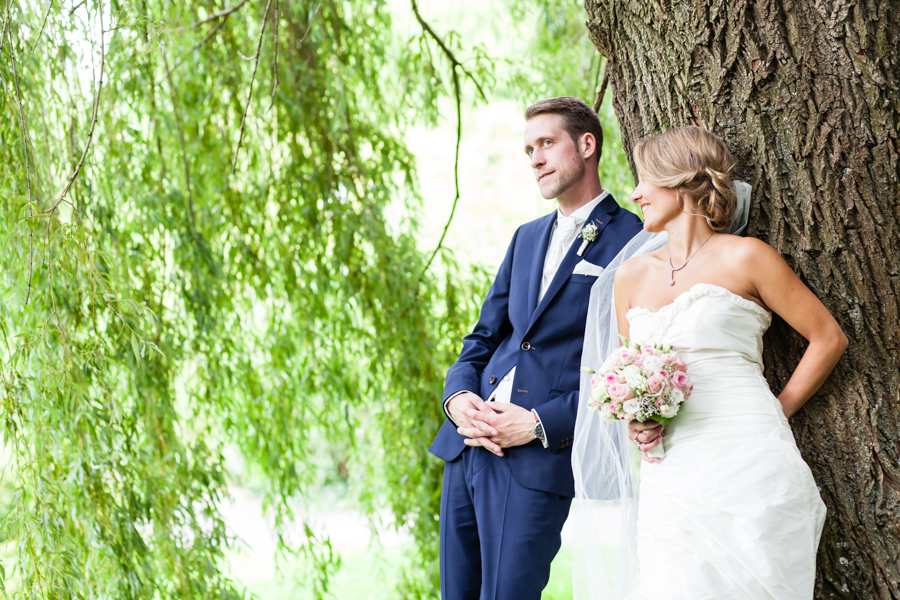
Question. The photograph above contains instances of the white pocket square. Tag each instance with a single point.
(586, 268)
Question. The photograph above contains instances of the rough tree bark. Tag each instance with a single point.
(806, 95)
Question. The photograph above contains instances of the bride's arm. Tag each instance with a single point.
(782, 291)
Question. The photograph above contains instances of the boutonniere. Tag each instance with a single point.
(589, 234)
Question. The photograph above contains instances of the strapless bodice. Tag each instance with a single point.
(707, 322)
(719, 335)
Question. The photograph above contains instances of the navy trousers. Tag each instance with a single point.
(497, 537)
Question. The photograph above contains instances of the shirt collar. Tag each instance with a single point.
(581, 215)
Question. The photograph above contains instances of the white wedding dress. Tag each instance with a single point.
(732, 511)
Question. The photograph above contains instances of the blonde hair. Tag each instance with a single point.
(697, 165)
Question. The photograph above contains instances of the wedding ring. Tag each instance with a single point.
(635, 440)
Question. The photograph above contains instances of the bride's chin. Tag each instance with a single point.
(650, 227)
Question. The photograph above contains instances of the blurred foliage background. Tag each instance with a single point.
(221, 268)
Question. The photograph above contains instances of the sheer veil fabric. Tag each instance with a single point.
(605, 463)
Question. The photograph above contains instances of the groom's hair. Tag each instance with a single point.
(578, 118)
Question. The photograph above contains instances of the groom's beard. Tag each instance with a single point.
(566, 178)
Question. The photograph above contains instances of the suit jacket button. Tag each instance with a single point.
(493, 380)
(526, 346)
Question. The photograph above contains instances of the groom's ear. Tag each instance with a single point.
(587, 145)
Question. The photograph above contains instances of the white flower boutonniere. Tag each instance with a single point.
(588, 233)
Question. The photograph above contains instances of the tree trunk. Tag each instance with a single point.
(806, 95)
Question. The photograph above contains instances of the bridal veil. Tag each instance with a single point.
(604, 461)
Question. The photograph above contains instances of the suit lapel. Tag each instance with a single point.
(600, 218)
(537, 264)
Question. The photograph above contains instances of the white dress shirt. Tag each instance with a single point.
(564, 232)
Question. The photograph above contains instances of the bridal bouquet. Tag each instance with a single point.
(640, 382)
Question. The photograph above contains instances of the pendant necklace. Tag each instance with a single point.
(694, 253)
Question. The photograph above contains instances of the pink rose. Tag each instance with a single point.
(620, 392)
(669, 358)
(595, 381)
(638, 360)
(648, 350)
(610, 379)
(656, 385)
(626, 355)
(680, 380)
(680, 365)
(663, 374)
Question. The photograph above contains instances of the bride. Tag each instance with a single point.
(731, 511)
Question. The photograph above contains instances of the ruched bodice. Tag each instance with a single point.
(706, 323)
(732, 511)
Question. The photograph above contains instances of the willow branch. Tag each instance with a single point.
(219, 15)
(212, 32)
(250, 91)
(275, 58)
(76, 7)
(180, 126)
(309, 26)
(25, 145)
(6, 22)
(43, 24)
(447, 52)
(454, 65)
(30, 264)
(96, 111)
(601, 92)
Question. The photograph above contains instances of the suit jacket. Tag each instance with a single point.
(543, 340)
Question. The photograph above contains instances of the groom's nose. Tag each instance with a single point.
(537, 159)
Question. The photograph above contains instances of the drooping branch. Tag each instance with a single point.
(222, 14)
(26, 144)
(76, 7)
(275, 56)
(447, 52)
(454, 65)
(250, 91)
(95, 112)
(5, 25)
(181, 138)
(601, 91)
(43, 24)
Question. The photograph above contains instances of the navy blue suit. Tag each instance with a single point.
(501, 517)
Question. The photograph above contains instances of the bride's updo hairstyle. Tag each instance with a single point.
(697, 165)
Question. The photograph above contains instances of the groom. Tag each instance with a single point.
(511, 398)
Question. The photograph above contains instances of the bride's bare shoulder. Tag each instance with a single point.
(749, 250)
(633, 269)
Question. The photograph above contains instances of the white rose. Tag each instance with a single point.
(632, 406)
(668, 411)
(652, 363)
(607, 416)
(676, 396)
(600, 393)
(633, 377)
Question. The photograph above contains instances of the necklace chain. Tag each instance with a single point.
(692, 255)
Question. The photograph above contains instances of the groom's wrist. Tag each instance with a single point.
(538, 429)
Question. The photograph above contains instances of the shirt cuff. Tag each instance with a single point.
(447, 401)
(543, 437)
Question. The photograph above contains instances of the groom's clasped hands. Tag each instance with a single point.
(492, 425)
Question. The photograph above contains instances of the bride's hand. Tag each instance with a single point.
(646, 436)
